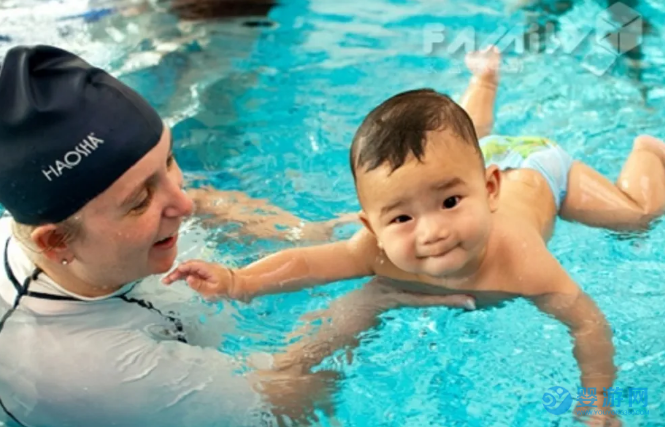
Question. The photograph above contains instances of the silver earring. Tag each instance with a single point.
(65, 262)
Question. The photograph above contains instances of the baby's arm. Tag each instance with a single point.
(286, 271)
(592, 335)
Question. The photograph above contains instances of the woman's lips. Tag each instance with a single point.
(167, 243)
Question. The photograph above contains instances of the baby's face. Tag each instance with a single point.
(433, 217)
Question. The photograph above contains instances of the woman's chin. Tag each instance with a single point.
(162, 265)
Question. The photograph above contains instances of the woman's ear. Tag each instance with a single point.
(493, 186)
(51, 242)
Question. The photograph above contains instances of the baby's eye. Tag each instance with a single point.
(451, 202)
(401, 219)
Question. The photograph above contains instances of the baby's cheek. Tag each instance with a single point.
(402, 254)
(474, 230)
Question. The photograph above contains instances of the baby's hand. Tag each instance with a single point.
(484, 64)
(210, 280)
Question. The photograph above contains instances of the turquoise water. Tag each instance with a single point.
(271, 110)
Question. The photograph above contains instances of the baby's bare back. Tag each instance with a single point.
(526, 197)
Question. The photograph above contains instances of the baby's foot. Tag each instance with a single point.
(650, 143)
(484, 64)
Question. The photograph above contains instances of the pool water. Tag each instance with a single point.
(271, 110)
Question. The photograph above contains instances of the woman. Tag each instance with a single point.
(96, 201)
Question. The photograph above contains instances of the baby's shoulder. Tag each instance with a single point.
(525, 264)
(511, 238)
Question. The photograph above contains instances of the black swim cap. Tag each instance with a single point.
(68, 130)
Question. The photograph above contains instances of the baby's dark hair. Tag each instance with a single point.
(398, 127)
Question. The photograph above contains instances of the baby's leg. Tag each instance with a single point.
(478, 100)
(637, 198)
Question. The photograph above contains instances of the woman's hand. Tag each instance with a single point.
(379, 292)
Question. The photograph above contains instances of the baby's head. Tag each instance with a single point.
(422, 184)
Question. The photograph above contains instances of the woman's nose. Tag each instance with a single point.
(181, 204)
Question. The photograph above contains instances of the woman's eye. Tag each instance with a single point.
(401, 219)
(144, 203)
(451, 202)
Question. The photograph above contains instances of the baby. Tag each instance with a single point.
(445, 213)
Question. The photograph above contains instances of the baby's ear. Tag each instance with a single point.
(365, 220)
(493, 186)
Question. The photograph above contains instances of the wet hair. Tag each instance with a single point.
(398, 127)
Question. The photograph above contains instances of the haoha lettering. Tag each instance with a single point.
(72, 158)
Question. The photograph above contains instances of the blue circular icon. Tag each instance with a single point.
(558, 401)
